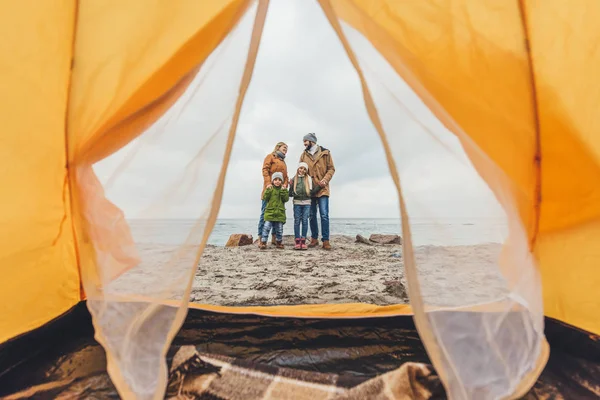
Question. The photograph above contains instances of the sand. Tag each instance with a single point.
(351, 272)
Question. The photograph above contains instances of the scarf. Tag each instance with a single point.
(313, 150)
(280, 155)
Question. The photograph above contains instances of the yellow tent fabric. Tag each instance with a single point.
(566, 60)
(517, 86)
(38, 268)
(92, 76)
(122, 83)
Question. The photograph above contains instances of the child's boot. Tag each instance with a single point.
(279, 245)
(298, 246)
(303, 245)
(262, 245)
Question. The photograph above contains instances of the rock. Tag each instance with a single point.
(385, 239)
(239, 239)
(363, 240)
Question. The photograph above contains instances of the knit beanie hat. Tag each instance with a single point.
(277, 175)
(303, 164)
(311, 137)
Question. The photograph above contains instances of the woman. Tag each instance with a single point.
(274, 162)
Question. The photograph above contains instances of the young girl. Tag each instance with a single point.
(275, 197)
(301, 189)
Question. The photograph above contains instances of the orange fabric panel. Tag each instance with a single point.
(467, 61)
(565, 42)
(570, 261)
(38, 267)
(343, 310)
(129, 55)
(133, 60)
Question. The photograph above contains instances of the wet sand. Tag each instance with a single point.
(351, 272)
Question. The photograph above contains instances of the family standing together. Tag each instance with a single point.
(309, 189)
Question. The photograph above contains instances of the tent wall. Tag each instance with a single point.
(457, 56)
(133, 61)
(83, 84)
(564, 45)
(464, 352)
(516, 92)
(84, 79)
(40, 278)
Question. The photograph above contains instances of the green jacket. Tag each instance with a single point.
(301, 194)
(276, 199)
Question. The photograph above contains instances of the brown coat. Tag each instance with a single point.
(271, 165)
(319, 167)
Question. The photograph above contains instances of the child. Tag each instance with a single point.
(301, 189)
(276, 197)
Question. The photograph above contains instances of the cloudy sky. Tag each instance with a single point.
(303, 82)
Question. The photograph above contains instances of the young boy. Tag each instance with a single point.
(276, 197)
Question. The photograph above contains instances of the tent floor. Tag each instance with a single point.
(361, 348)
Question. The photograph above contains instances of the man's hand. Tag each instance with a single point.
(323, 183)
(269, 186)
(284, 186)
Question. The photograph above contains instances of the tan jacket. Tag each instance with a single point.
(319, 167)
(271, 165)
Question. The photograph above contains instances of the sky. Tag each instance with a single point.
(303, 82)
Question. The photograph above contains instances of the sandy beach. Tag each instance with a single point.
(351, 272)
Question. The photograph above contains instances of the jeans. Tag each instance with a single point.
(301, 213)
(322, 203)
(261, 221)
(277, 230)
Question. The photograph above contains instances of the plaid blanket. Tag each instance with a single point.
(195, 375)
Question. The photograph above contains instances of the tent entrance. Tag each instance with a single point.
(394, 149)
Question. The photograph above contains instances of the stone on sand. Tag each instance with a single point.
(385, 239)
(363, 240)
(239, 239)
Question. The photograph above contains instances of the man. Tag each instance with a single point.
(321, 170)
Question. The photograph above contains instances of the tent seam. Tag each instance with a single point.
(69, 174)
(537, 160)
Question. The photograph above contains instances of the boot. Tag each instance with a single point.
(303, 244)
(273, 240)
(297, 246)
(279, 245)
(326, 245)
(313, 242)
(262, 245)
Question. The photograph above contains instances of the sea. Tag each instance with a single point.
(449, 232)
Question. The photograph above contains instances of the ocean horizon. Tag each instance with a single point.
(447, 232)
